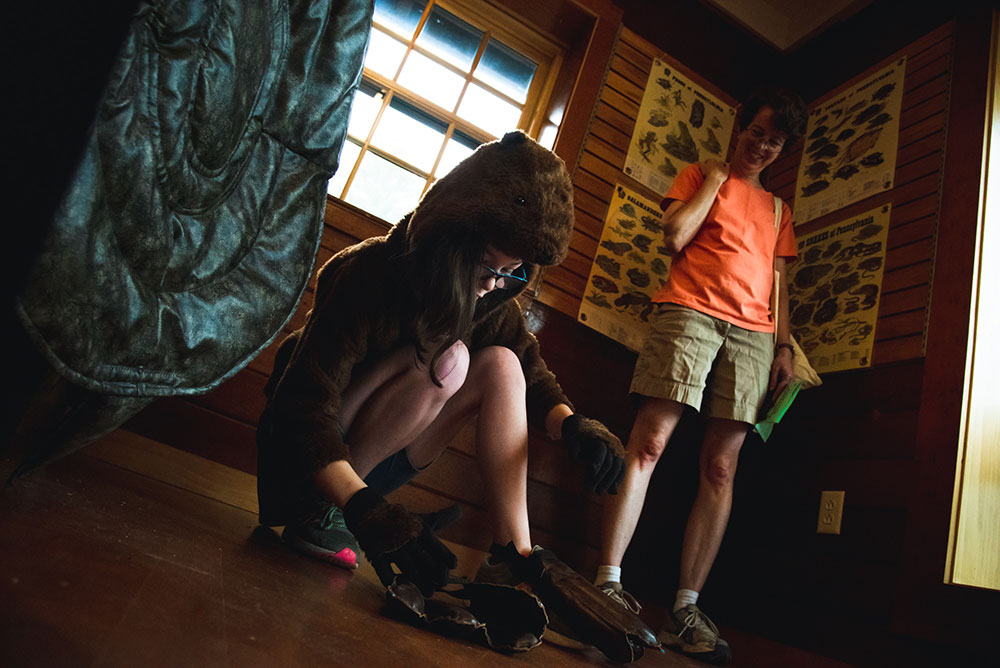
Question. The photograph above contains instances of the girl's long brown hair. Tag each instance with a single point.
(442, 270)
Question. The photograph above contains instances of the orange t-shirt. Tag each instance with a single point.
(727, 269)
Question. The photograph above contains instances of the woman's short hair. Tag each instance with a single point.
(790, 113)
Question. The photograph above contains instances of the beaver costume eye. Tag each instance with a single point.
(520, 200)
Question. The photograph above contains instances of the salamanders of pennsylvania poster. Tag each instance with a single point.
(630, 266)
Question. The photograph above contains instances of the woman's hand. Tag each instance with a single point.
(782, 371)
(714, 170)
(682, 220)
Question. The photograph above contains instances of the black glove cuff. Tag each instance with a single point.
(360, 504)
(571, 426)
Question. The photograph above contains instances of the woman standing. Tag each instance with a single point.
(712, 345)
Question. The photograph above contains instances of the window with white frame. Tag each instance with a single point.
(440, 78)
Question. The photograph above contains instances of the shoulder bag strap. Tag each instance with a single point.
(777, 277)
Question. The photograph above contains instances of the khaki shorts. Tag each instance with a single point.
(687, 352)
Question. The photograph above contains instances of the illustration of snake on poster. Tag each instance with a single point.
(678, 124)
(850, 145)
(630, 266)
(834, 290)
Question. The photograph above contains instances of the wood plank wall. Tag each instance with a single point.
(926, 606)
(915, 195)
(602, 160)
(856, 433)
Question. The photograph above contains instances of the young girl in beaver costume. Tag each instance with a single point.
(410, 336)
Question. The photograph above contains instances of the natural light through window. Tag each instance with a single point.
(440, 78)
(482, 108)
(420, 70)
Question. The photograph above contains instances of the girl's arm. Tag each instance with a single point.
(554, 420)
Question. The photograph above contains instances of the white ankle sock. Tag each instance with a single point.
(608, 574)
(685, 597)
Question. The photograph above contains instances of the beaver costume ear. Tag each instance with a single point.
(513, 138)
(516, 193)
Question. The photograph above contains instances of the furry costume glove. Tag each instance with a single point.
(390, 534)
(598, 450)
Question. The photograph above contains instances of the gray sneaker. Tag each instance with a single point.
(690, 632)
(326, 538)
(617, 594)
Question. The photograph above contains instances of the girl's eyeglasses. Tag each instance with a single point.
(512, 280)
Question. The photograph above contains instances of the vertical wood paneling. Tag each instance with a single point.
(603, 158)
(925, 606)
(914, 197)
(974, 552)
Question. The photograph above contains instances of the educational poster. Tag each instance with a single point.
(678, 124)
(850, 145)
(630, 266)
(834, 291)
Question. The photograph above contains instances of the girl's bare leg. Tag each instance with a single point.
(395, 405)
(394, 401)
(494, 391)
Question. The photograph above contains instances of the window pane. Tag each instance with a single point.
(400, 16)
(506, 70)
(449, 37)
(367, 101)
(459, 148)
(547, 137)
(488, 111)
(384, 54)
(410, 134)
(384, 189)
(433, 81)
(348, 156)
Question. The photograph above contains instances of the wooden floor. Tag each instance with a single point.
(131, 553)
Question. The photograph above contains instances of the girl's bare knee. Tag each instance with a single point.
(499, 367)
(452, 367)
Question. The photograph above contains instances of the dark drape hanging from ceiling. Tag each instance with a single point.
(188, 231)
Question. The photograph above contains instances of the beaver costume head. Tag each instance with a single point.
(516, 193)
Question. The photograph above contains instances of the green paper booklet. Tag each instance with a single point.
(772, 412)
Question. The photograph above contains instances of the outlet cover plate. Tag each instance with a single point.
(831, 512)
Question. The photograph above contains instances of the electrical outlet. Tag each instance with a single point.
(831, 511)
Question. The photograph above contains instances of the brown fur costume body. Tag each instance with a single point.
(513, 192)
